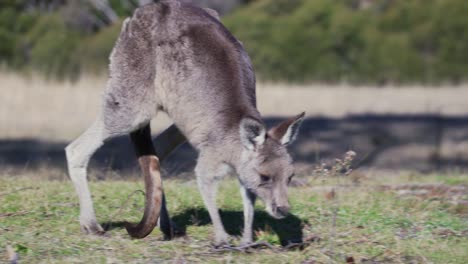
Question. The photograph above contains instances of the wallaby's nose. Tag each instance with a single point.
(283, 210)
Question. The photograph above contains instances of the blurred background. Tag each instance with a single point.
(384, 78)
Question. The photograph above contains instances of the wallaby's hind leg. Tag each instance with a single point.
(78, 154)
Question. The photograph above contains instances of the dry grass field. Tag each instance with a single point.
(36, 108)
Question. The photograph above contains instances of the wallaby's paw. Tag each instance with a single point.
(92, 228)
(246, 239)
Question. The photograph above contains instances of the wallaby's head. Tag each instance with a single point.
(266, 166)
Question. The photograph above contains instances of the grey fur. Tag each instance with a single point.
(181, 60)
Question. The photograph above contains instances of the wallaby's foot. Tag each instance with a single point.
(92, 228)
(174, 232)
(247, 238)
(221, 240)
(177, 231)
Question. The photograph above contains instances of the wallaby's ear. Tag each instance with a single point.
(286, 131)
(252, 133)
(212, 12)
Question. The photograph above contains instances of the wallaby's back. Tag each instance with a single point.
(182, 60)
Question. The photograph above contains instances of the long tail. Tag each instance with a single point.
(155, 202)
(153, 197)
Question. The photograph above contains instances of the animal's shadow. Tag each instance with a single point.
(288, 229)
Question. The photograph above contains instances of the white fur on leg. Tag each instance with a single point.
(208, 192)
(248, 202)
(78, 154)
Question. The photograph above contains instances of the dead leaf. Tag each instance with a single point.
(330, 195)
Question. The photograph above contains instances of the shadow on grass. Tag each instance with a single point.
(289, 229)
(111, 225)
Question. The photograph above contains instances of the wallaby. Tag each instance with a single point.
(181, 60)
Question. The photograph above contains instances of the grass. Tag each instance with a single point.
(38, 219)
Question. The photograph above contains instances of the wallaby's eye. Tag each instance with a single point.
(290, 178)
(265, 178)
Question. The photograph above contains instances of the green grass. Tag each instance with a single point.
(39, 220)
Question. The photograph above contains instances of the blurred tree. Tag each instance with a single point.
(294, 40)
(358, 41)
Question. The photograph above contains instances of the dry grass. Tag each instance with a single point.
(36, 108)
(341, 100)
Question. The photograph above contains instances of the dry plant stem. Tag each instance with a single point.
(333, 227)
(14, 214)
(340, 168)
(153, 198)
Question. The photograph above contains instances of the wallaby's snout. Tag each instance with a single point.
(277, 204)
(282, 211)
(276, 210)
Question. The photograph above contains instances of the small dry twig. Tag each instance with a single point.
(244, 248)
(295, 245)
(17, 190)
(14, 214)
